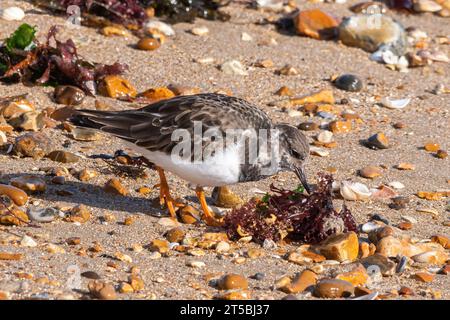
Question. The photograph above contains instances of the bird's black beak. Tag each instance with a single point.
(300, 172)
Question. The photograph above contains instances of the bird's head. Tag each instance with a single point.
(294, 151)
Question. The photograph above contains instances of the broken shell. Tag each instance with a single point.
(12, 13)
(395, 104)
(396, 185)
(354, 191)
(160, 26)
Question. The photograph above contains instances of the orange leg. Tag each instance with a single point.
(164, 193)
(208, 216)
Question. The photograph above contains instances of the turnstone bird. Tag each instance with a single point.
(154, 132)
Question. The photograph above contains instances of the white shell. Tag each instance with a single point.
(395, 104)
(396, 185)
(325, 136)
(318, 152)
(354, 191)
(409, 219)
(370, 226)
(12, 13)
(246, 37)
(160, 26)
(233, 67)
(200, 31)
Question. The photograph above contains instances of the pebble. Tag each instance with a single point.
(189, 215)
(3, 138)
(196, 264)
(68, 95)
(233, 281)
(323, 96)
(370, 172)
(222, 247)
(148, 44)
(53, 248)
(386, 266)
(288, 70)
(246, 37)
(114, 186)
(348, 82)
(80, 214)
(300, 283)
(358, 276)
(308, 126)
(333, 288)
(224, 197)
(29, 121)
(123, 257)
(101, 290)
(175, 235)
(234, 295)
(28, 242)
(10, 256)
(12, 14)
(405, 225)
(423, 277)
(116, 87)
(233, 67)
(315, 24)
(114, 31)
(200, 31)
(17, 195)
(90, 275)
(168, 222)
(431, 257)
(378, 141)
(35, 145)
(125, 288)
(432, 147)
(165, 28)
(405, 166)
(396, 185)
(63, 156)
(426, 6)
(360, 31)
(161, 246)
(325, 136)
(86, 134)
(338, 126)
(159, 93)
(340, 247)
(29, 183)
(441, 154)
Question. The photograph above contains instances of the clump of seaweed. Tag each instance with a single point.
(291, 214)
(133, 13)
(23, 58)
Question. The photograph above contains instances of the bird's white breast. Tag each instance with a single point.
(221, 169)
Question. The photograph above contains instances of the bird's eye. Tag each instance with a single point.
(295, 154)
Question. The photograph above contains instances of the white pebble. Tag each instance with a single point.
(325, 136)
(12, 13)
(196, 264)
(234, 67)
(28, 242)
(200, 31)
(160, 26)
(222, 247)
(396, 185)
(246, 37)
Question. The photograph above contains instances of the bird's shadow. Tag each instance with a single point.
(78, 192)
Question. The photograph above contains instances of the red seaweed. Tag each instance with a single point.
(291, 214)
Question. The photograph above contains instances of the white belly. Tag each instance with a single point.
(219, 170)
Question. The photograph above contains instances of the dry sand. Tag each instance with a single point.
(427, 119)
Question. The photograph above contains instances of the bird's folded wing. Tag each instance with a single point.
(152, 127)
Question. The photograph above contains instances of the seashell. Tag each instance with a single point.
(370, 226)
(354, 191)
(401, 266)
(318, 152)
(371, 296)
(396, 185)
(409, 219)
(12, 13)
(161, 27)
(325, 136)
(395, 104)
(383, 192)
(42, 214)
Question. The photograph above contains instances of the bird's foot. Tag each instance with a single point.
(208, 217)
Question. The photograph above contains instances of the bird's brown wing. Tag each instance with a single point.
(152, 127)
